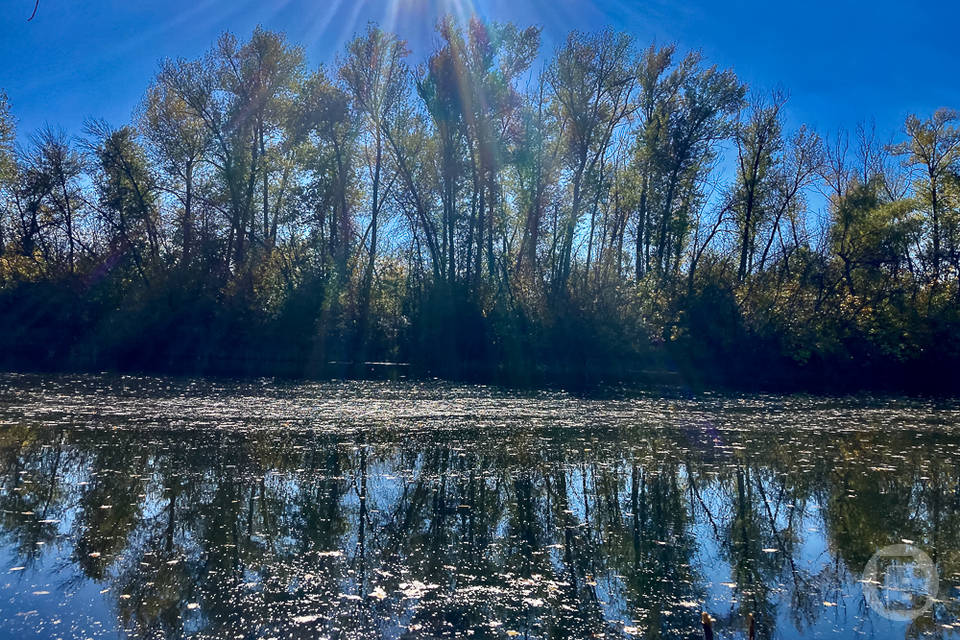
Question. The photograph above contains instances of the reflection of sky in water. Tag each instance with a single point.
(47, 600)
(177, 507)
(903, 584)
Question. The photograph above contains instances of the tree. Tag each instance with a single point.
(872, 239)
(323, 123)
(536, 165)
(758, 143)
(592, 80)
(179, 142)
(242, 93)
(797, 168)
(437, 88)
(49, 197)
(696, 120)
(257, 80)
(127, 193)
(470, 92)
(376, 77)
(658, 92)
(8, 163)
(933, 146)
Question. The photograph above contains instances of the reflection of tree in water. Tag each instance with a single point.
(31, 503)
(549, 533)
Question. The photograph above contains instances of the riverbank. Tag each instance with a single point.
(705, 340)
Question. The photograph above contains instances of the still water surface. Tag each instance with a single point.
(161, 508)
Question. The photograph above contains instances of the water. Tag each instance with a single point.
(163, 508)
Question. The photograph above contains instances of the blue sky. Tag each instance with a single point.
(841, 62)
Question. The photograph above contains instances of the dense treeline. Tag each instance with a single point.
(495, 211)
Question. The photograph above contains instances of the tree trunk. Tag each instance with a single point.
(187, 223)
(368, 274)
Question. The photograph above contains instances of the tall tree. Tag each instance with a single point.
(933, 146)
(658, 93)
(759, 141)
(8, 164)
(53, 182)
(798, 166)
(324, 123)
(376, 77)
(258, 78)
(179, 141)
(470, 89)
(242, 93)
(536, 163)
(127, 194)
(592, 80)
(699, 117)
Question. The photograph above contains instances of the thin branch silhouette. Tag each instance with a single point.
(34, 14)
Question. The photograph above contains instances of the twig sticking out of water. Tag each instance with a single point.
(707, 626)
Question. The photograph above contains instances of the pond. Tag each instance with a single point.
(137, 507)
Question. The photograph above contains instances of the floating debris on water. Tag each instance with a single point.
(359, 510)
